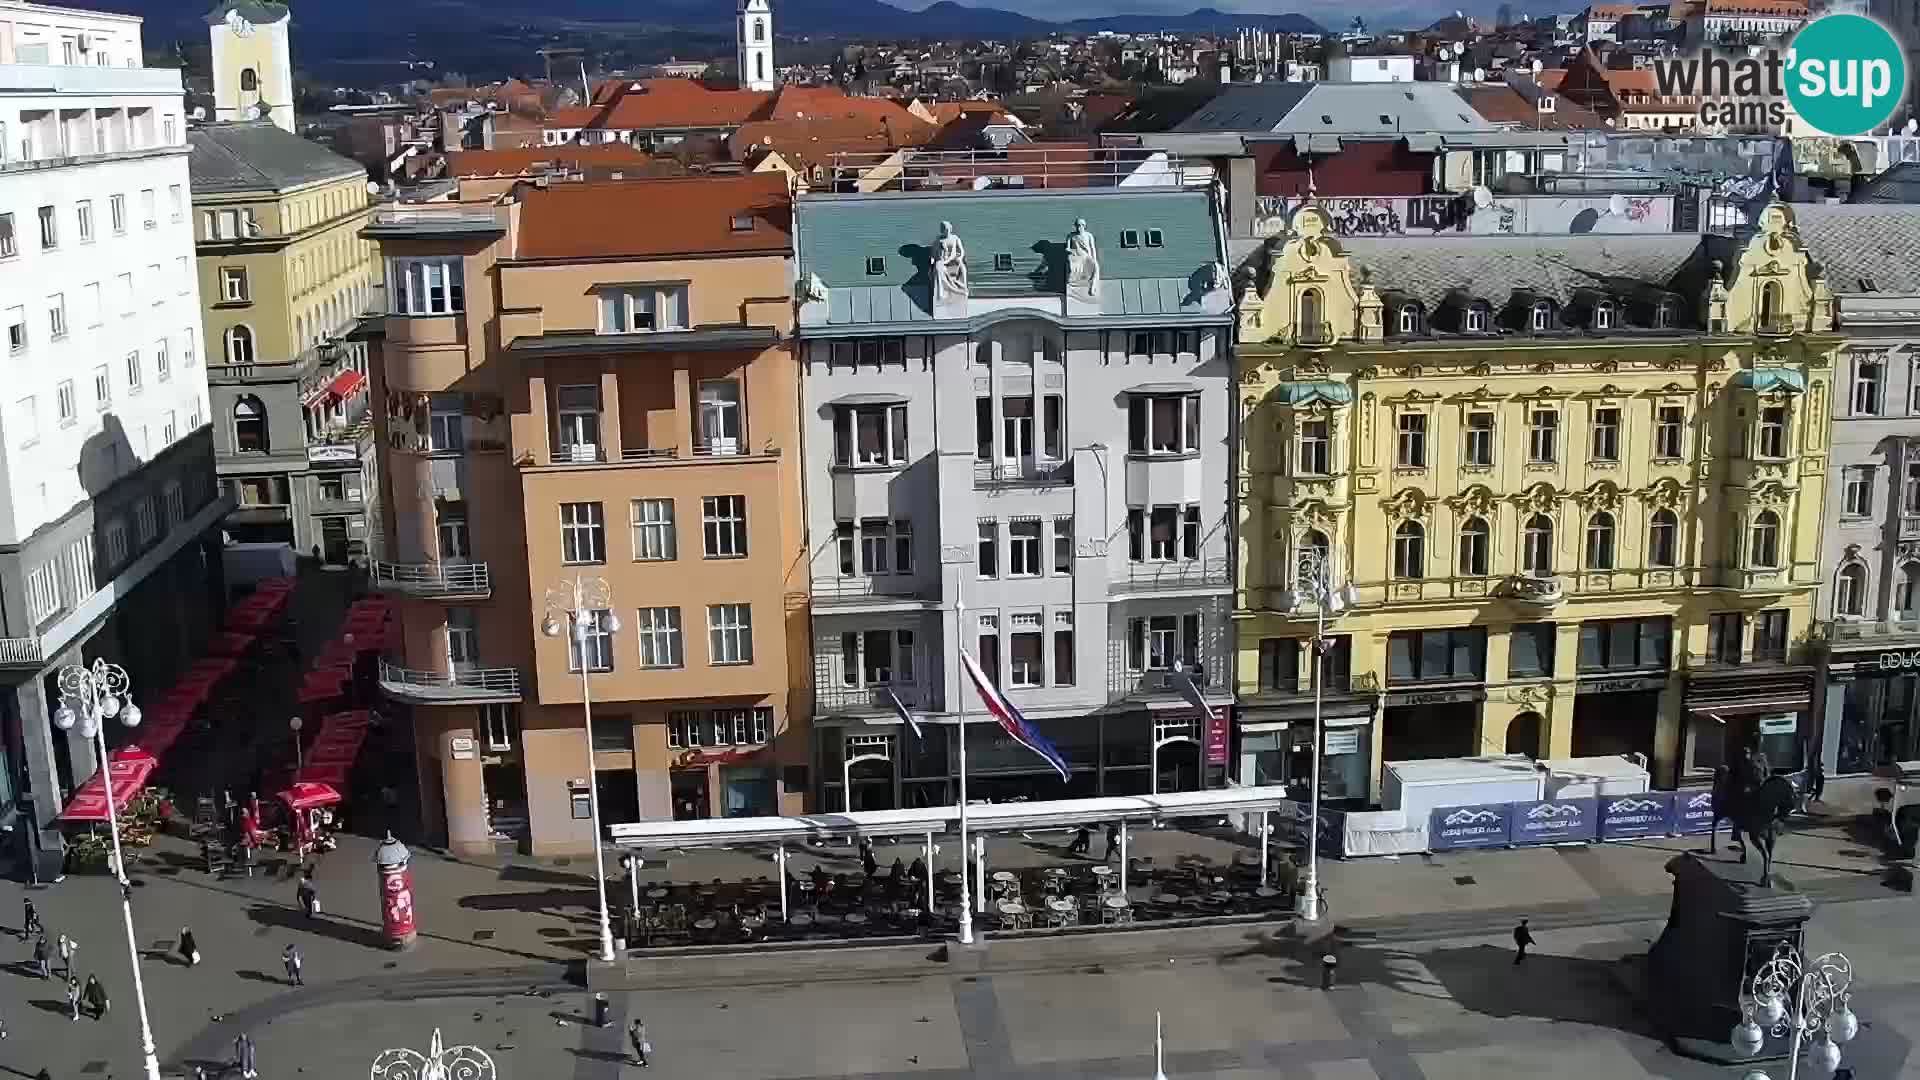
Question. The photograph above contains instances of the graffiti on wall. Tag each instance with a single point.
(1432, 215)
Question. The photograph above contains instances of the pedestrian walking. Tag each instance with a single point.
(189, 948)
(1113, 842)
(66, 954)
(637, 1034)
(1082, 841)
(243, 1056)
(308, 897)
(1522, 938)
(868, 864)
(42, 957)
(291, 957)
(30, 919)
(96, 997)
(73, 997)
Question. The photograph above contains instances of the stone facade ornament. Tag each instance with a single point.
(1083, 264)
(1475, 501)
(1407, 503)
(949, 267)
(1602, 495)
(1539, 499)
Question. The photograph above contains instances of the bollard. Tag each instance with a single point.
(1327, 963)
(602, 1011)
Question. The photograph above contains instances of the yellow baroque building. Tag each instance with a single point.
(1574, 484)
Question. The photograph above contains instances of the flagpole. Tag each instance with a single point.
(966, 853)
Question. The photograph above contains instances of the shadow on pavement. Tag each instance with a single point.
(613, 1056)
(1484, 979)
(535, 875)
(555, 902)
(57, 1008)
(251, 975)
(272, 915)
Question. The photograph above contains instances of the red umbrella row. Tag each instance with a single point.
(330, 759)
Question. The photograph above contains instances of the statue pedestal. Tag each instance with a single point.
(1722, 927)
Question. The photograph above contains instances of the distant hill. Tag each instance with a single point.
(1197, 21)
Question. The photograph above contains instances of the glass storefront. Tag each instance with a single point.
(1877, 722)
(749, 791)
(1605, 724)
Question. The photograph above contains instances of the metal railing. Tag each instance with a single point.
(830, 694)
(433, 579)
(22, 651)
(1022, 473)
(1122, 683)
(450, 684)
(1910, 526)
(847, 590)
(424, 216)
(1869, 631)
(1014, 168)
(1158, 576)
(731, 448)
(650, 453)
(578, 454)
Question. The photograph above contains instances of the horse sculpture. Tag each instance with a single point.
(1760, 802)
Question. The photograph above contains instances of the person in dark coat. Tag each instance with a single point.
(30, 919)
(1522, 939)
(1082, 841)
(1113, 842)
(868, 864)
(309, 898)
(96, 996)
(290, 956)
(189, 949)
(42, 957)
(637, 1035)
(243, 1056)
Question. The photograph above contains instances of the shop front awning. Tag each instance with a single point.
(943, 820)
(1747, 691)
(127, 769)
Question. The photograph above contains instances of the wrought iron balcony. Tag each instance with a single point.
(1534, 591)
(1123, 684)
(830, 696)
(989, 474)
(866, 591)
(433, 579)
(1161, 577)
(449, 687)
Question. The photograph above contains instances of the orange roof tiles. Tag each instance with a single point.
(539, 158)
(1786, 8)
(642, 219)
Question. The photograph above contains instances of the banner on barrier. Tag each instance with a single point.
(1649, 813)
(1484, 825)
(1693, 811)
(1565, 821)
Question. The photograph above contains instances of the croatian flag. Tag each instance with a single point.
(1009, 717)
(900, 710)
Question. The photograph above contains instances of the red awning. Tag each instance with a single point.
(322, 774)
(231, 643)
(309, 795)
(129, 768)
(345, 383)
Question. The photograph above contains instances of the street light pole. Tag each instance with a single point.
(90, 696)
(294, 724)
(1808, 999)
(1314, 579)
(580, 603)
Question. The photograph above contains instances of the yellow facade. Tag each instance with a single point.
(1496, 479)
(307, 272)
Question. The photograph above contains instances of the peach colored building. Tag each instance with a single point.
(592, 381)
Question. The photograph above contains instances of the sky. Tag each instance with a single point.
(1327, 13)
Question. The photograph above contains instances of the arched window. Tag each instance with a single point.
(250, 426)
(239, 343)
(1523, 734)
(249, 81)
(1906, 593)
(1850, 590)
(1409, 550)
(1763, 541)
(1473, 548)
(1409, 318)
(1663, 539)
(1311, 311)
(1536, 546)
(1542, 315)
(1477, 319)
(759, 29)
(1603, 315)
(1313, 544)
(1600, 541)
(1769, 304)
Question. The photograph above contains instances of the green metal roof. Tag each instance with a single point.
(1764, 379)
(1299, 393)
(836, 236)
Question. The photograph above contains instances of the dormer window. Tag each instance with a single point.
(1477, 319)
(1542, 316)
(876, 266)
(1666, 314)
(1410, 322)
(1603, 315)
(1003, 262)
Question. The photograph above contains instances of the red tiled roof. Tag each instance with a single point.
(814, 142)
(641, 219)
(1504, 104)
(680, 103)
(538, 159)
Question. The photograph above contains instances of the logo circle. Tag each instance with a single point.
(1846, 74)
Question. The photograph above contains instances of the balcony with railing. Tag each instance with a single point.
(1890, 633)
(1191, 575)
(438, 580)
(874, 592)
(22, 652)
(1909, 526)
(1532, 591)
(469, 684)
(431, 221)
(994, 474)
(830, 695)
(1124, 684)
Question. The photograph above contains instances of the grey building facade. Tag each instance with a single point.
(1017, 436)
(1869, 602)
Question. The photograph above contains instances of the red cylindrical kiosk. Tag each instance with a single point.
(396, 892)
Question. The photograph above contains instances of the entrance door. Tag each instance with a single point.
(333, 541)
(689, 794)
(1414, 732)
(1609, 724)
(1524, 734)
(1179, 767)
(619, 796)
(506, 790)
(872, 785)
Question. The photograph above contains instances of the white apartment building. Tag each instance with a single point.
(1017, 419)
(105, 461)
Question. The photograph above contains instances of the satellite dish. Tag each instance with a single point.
(1482, 198)
(1617, 204)
(1479, 74)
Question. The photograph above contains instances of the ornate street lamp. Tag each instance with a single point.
(438, 1063)
(1315, 571)
(574, 609)
(1809, 1000)
(90, 696)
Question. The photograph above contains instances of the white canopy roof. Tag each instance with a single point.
(941, 820)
